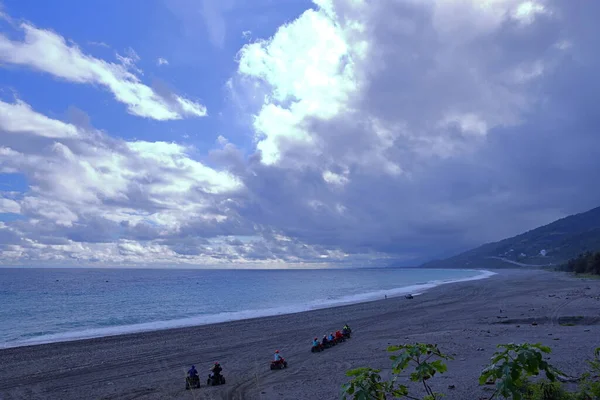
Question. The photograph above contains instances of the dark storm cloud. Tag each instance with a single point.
(535, 162)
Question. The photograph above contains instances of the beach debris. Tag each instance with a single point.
(480, 349)
(534, 323)
(409, 296)
(451, 387)
(586, 330)
(518, 326)
(555, 338)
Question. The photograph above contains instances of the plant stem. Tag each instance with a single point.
(428, 389)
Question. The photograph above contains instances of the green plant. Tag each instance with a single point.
(512, 365)
(589, 388)
(427, 360)
(545, 390)
(366, 383)
(510, 369)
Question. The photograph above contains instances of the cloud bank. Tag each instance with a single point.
(390, 131)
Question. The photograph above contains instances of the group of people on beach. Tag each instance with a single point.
(215, 370)
(193, 379)
(332, 339)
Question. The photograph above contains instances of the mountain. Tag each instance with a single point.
(550, 244)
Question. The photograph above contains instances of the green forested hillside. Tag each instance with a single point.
(587, 263)
(552, 244)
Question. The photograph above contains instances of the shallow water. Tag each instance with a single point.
(50, 305)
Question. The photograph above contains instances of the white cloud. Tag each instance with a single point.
(313, 80)
(49, 52)
(321, 74)
(335, 179)
(19, 118)
(94, 188)
(9, 206)
(129, 60)
(527, 10)
(162, 61)
(99, 44)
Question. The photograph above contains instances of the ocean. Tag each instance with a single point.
(53, 305)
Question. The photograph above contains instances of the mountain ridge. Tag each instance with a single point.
(551, 244)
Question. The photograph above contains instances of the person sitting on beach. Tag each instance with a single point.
(277, 357)
(347, 328)
(192, 372)
(331, 338)
(325, 342)
(316, 342)
(216, 369)
(339, 336)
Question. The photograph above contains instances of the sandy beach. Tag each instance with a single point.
(465, 319)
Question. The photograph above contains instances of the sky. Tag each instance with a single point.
(271, 134)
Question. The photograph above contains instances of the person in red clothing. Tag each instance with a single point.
(338, 336)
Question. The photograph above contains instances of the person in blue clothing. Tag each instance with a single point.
(192, 372)
(316, 342)
(331, 338)
(277, 357)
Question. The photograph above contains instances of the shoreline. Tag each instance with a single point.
(466, 320)
(204, 320)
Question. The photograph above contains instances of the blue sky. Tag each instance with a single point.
(280, 133)
(197, 66)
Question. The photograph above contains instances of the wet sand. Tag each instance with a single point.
(465, 319)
